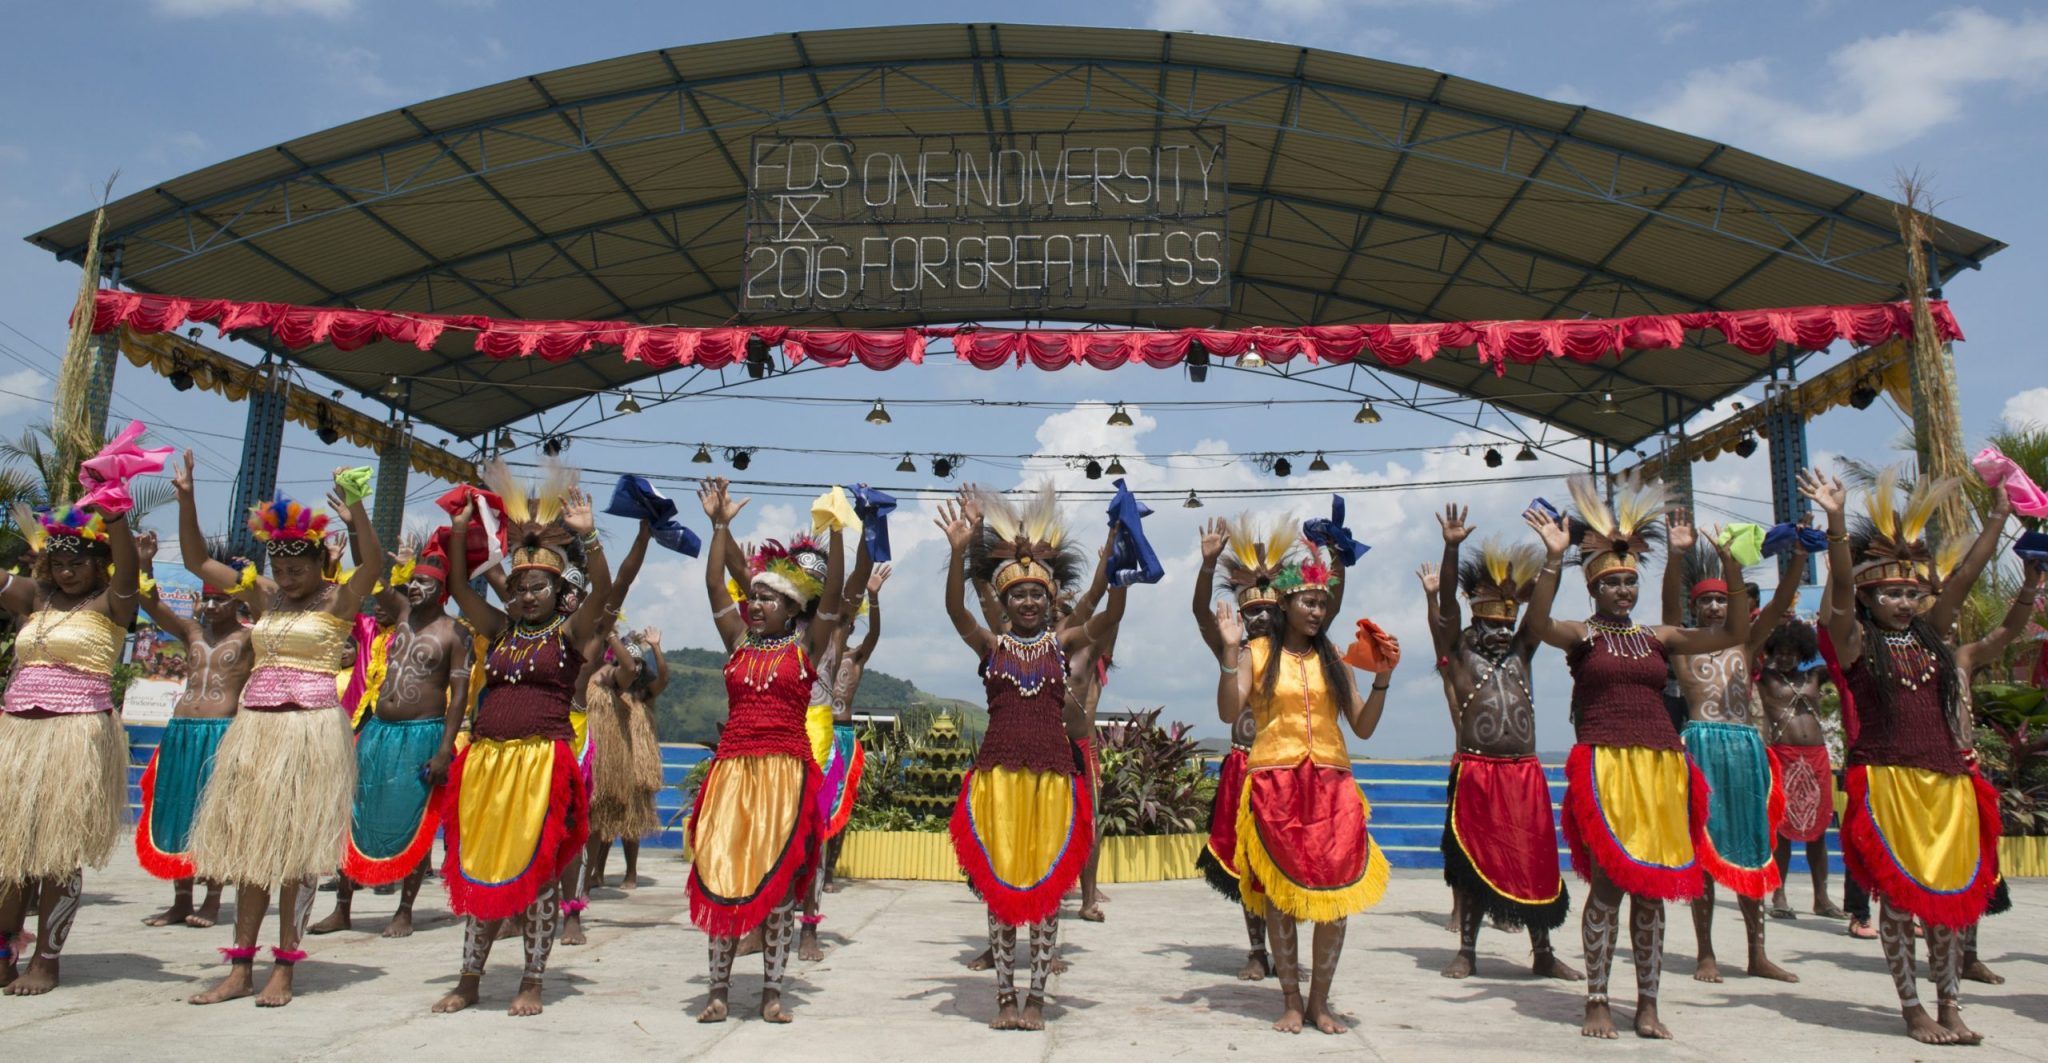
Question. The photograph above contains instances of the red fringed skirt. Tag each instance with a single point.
(515, 813)
(1924, 841)
(1500, 841)
(1809, 784)
(1640, 815)
(1022, 837)
(751, 833)
(1218, 858)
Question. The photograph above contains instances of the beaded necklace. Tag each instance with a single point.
(1620, 639)
(758, 660)
(517, 653)
(64, 616)
(1906, 654)
(1029, 664)
(1492, 675)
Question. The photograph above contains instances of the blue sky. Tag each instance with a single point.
(1856, 92)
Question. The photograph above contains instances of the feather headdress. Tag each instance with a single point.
(1258, 551)
(1025, 543)
(69, 530)
(287, 528)
(1700, 567)
(1892, 546)
(1311, 573)
(796, 571)
(533, 514)
(1612, 538)
(1500, 578)
(244, 569)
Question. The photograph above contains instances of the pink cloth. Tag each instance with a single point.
(2028, 500)
(276, 687)
(105, 476)
(57, 689)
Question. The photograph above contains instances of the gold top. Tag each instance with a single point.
(83, 640)
(1300, 719)
(312, 641)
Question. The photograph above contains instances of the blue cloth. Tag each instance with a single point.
(184, 762)
(873, 508)
(635, 498)
(1782, 538)
(2032, 546)
(391, 795)
(1131, 559)
(1543, 506)
(1738, 772)
(1332, 535)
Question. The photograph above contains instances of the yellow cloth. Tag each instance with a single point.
(308, 641)
(1745, 542)
(818, 724)
(374, 671)
(1929, 823)
(579, 725)
(1300, 719)
(833, 510)
(83, 641)
(503, 805)
(749, 810)
(1024, 820)
(1633, 786)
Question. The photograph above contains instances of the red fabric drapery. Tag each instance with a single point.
(1498, 343)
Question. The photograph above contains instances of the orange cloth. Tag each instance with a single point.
(1374, 650)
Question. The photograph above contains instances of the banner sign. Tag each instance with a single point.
(988, 221)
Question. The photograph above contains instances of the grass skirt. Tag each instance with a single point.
(63, 792)
(1500, 842)
(752, 832)
(1218, 859)
(277, 806)
(1745, 805)
(1639, 814)
(1924, 841)
(625, 768)
(1303, 847)
(171, 785)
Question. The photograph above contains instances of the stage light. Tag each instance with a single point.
(740, 459)
(326, 431)
(1192, 502)
(1745, 446)
(1282, 467)
(1116, 467)
(1493, 458)
(1092, 470)
(878, 415)
(702, 457)
(1607, 404)
(1319, 465)
(505, 441)
(181, 378)
(392, 390)
(906, 465)
(758, 364)
(1118, 418)
(1251, 359)
(942, 467)
(1525, 454)
(1197, 361)
(193, 332)
(1366, 414)
(554, 445)
(1863, 396)
(628, 404)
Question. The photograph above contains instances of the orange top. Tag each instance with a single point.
(1300, 719)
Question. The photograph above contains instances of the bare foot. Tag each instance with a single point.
(401, 925)
(40, 978)
(1255, 969)
(982, 962)
(714, 1010)
(1547, 965)
(1060, 965)
(527, 1001)
(807, 946)
(572, 930)
(1975, 971)
(1327, 1021)
(1290, 1019)
(833, 886)
(1033, 1017)
(207, 915)
(278, 991)
(1647, 1025)
(1006, 1015)
(631, 881)
(462, 996)
(1707, 969)
(1952, 1021)
(1599, 1021)
(1091, 915)
(1860, 928)
(1921, 1027)
(240, 982)
(772, 1009)
(1762, 967)
(751, 944)
(336, 920)
(1461, 966)
(176, 913)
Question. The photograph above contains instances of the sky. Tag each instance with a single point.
(1856, 92)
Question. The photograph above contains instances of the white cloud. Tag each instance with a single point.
(212, 8)
(2029, 407)
(1874, 93)
(22, 391)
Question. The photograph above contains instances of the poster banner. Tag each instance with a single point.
(151, 700)
(988, 221)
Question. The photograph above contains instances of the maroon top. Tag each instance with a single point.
(1026, 730)
(1619, 700)
(767, 691)
(528, 683)
(1912, 734)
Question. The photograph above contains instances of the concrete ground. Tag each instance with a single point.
(1156, 981)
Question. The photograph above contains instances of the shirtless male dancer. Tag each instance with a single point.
(845, 683)
(1790, 692)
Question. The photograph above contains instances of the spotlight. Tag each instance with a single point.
(505, 441)
(1366, 414)
(1118, 418)
(1116, 467)
(326, 431)
(1319, 465)
(1525, 454)
(1251, 359)
(1192, 502)
(878, 415)
(942, 467)
(1197, 361)
(193, 332)
(1092, 470)
(553, 445)
(1282, 467)
(702, 457)
(181, 378)
(740, 459)
(392, 390)
(758, 364)
(628, 404)
(1746, 446)
(1607, 404)
(1861, 398)
(906, 465)
(1493, 458)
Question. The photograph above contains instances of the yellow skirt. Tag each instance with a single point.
(1022, 837)
(751, 838)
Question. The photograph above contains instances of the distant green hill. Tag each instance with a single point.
(694, 703)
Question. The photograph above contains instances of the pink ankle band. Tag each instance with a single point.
(574, 907)
(810, 920)
(286, 955)
(238, 955)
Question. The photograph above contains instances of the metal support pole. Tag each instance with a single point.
(99, 386)
(262, 446)
(1786, 428)
(394, 462)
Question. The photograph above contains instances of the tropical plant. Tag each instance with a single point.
(2014, 753)
(1152, 779)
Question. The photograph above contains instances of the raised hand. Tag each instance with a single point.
(458, 521)
(1556, 537)
(145, 548)
(1428, 575)
(953, 521)
(1824, 491)
(1452, 521)
(181, 478)
(1679, 531)
(1731, 570)
(652, 636)
(1215, 535)
(576, 514)
(1228, 624)
(970, 503)
(878, 577)
(343, 514)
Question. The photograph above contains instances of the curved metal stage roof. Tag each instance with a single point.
(1361, 191)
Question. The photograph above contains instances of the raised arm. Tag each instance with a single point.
(1827, 493)
(1563, 634)
(1994, 642)
(629, 567)
(832, 599)
(1731, 634)
(349, 600)
(1957, 588)
(1365, 710)
(1445, 618)
(121, 589)
(719, 506)
(581, 521)
(482, 615)
(660, 662)
(1442, 638)
(1680, 535)
(1234, 678)
(1073, 627)
(1780, 604)
(192, 541)
(866, 648)
(958, 531)
(183, 629)
(1214, 536)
